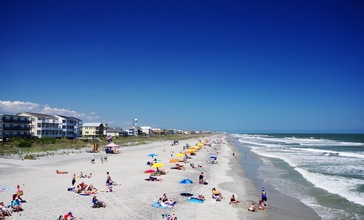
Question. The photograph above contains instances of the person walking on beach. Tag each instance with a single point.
(73, 179)
(93, 158)
(264, 196)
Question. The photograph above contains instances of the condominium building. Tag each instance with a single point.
(43, 125)
(71, 126)
(14, 126)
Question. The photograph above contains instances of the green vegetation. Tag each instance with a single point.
(32, 146)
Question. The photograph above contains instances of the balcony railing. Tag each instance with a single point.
(14, 135)
(15, 128)
(49, 129)
(15, 120)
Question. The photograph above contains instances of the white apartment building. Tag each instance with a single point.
(71, 126)
(43, 125)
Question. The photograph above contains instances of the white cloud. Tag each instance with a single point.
(15, 107)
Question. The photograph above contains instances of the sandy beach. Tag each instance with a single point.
(47, 196)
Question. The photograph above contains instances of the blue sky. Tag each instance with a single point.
(234, 66)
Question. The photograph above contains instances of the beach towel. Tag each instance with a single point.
(84, 194)
(5, 188)
(197, 200)
(159, 206)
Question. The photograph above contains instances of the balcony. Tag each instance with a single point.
(16, 128)
(48, 121)
(12, 120)
(15, 135)
(49, 129)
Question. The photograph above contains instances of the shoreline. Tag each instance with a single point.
(280, 205)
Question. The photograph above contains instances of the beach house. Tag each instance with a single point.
(146, 130)
(93, 129)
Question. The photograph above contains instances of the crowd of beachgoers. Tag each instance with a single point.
(193, 179)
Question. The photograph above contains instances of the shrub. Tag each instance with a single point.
(25, 143)
(30, 157)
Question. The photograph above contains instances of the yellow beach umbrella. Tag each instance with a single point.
(158, 165)
(180, 155)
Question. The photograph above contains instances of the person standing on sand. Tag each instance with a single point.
(73, 179)
(93, 158)
(264, 196)
(19, 193)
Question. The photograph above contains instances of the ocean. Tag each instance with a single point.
(324, 171)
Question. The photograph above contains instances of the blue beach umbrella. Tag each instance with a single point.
(186, 182)
(152, 155)
(213, 157)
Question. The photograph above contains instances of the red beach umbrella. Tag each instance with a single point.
(149, 171)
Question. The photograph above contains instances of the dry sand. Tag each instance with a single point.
(47, 196)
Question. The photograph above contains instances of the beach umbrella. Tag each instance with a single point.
(186, 182)
(180, 155)
(152, 155)
(213, 157)
(149, 171)
(174, 160)
(158, 165)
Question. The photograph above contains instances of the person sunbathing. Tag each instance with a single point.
(81, 175)
(97, 204)
(261, 205)
(152, 178)
(252, 207)
(159, 172)
(172, 217)
(61, 172)
(2, 215)
(110, 182)
(81, 187)
(180, 167)
(69, 216)
(164, 197)
(216, 194)
(17, 207)
(233, 200)
(201, 179)
(4, 210)
(90, 189)
(166, 204)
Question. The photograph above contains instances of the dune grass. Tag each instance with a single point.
(49, 144)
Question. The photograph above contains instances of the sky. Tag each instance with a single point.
(232, 66)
